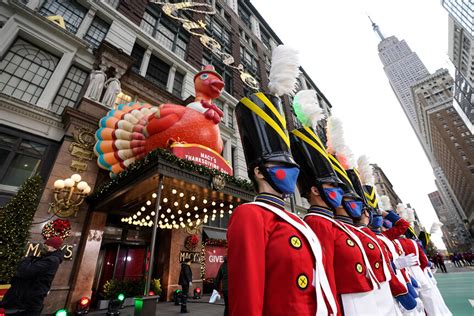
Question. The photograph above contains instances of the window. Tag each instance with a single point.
(25, 71)
(69, 92)
(244, 15)
(211, 59)
(219, 104)
(158, 71)
(248, 61)
(97, 32)
(230, 118)
(265, 38)
(215, 30)
(137, 54)
(113, 3)
(166, 31)
(21, 156)
(178, 84)
(72, 12)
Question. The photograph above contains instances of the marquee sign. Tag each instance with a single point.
(172, 9)
(201, 155)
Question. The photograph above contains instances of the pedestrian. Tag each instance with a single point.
(186, 281)
(222, 281)
(440, 259)
(32, 280)
(435, 261)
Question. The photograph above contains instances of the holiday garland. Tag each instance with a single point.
(140, 165)
(16, 218)
(58, 228)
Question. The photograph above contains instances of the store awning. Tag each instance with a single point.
(215, 234)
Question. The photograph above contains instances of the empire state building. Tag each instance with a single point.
(403, 68)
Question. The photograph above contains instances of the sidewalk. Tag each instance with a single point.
(195, 307)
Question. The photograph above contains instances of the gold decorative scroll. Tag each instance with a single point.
(192, 27)
(59, 20)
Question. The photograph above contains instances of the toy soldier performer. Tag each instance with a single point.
(274, 259)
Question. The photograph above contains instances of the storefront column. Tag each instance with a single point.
(55, 81)
(169, 85)
(87, 262)
(86, 23)
(145, 62)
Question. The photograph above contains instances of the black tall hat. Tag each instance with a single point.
(370, 196)
(356, 184)
(262, 128)
(425, 238)
(349, 191)
(310, 154)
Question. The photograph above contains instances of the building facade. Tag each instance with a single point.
(447, 136)
(384, 186)
(461, 54)
(455, 236)
(50, 52)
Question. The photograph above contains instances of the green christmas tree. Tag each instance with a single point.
(15, 221)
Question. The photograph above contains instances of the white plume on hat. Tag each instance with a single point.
(335, 135)
(410, 215)
(365, 170)
(284, 70)
(435, 227)
(401, 210)
(307, 108)
(384, 203)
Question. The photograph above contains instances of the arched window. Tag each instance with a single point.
(25, 71)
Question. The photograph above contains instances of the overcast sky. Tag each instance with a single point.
(338, 49)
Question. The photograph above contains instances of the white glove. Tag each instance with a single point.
(405, 261)
(419, 305)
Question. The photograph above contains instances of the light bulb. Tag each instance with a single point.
(154, 195)
(162, 215)
(222, 211)
(221, 205)
(213, 203)
(196, 208)
(180, 212)
(205, 210)
(204, 201)
(181, 194)
(172, 216)
(182, 225)
(186, 205)
(147, 218)
(191, 224)
(198, 222)
(82, 185)
(222, 215)
(165, 200)
(174, 191)
(180, 219)
(160, 222)
(189, 220)
(87, 190)
(193, 198)
(139, 213)
(143, 209)
(59, 184)
(196, 216)
(76, 178)
(214, 211)
(152, 213)
(168, 211)
(148, 202)
(166, 220)
(134, 216)
(69, 182)
(175, 203)
(231, 206)
(188, 214)
(230, 212)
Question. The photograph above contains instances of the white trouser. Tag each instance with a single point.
(384, 299)
(356, 304)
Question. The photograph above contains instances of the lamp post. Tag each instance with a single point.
(69, 194)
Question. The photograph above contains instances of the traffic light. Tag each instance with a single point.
(177, 297)
(115, 305)
(61, 312)
(197, 293)
(82, 307)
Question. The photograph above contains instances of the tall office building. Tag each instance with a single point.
(384, 186)
(447, 136)
(403, 68)
(461, 52)
(455, 236)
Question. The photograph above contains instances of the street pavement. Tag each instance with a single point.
(457, 289)
(196, 308)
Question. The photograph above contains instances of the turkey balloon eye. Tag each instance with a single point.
(204, 76)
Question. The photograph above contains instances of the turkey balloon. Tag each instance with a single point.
(127, 133)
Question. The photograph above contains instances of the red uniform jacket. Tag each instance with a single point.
(396, 287)
(270, 264)
(409, 247)
(399, 227)
(344, 263)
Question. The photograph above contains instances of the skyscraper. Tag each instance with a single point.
(403, 68)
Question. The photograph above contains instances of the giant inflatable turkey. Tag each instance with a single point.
(132, 130)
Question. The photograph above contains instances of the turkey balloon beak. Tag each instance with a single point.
(217, 85)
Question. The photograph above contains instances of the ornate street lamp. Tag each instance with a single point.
(69, 194)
